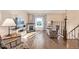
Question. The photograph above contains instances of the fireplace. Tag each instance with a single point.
(31, 27)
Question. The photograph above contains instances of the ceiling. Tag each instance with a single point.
(45, 11)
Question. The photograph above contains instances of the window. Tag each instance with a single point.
(39, 22)
(20, 22)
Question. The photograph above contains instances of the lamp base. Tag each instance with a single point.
(8, 32)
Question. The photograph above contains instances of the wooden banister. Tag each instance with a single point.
(74, 33)
(74, 28)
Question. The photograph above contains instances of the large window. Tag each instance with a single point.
(39, 22)
(19, 22)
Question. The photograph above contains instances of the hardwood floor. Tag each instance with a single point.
(42, 41)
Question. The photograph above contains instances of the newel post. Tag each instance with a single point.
(65, 30)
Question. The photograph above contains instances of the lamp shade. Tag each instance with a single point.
(9, 22)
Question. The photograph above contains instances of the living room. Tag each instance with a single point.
(39, 29)
(29, 23)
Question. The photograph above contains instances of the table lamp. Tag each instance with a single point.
(9, 22)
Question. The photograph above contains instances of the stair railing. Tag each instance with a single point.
(74, 33)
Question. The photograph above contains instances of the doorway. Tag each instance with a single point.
(39, 23)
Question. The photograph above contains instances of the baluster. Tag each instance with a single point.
(74, 34)
(70, 35)
(61, 27)
(78, 33)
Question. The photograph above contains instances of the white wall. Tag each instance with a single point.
(0, 18)
(30, 18)
(13, 14)
(55, 17)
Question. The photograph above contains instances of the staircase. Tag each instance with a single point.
(74, 33)
(73, 38)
